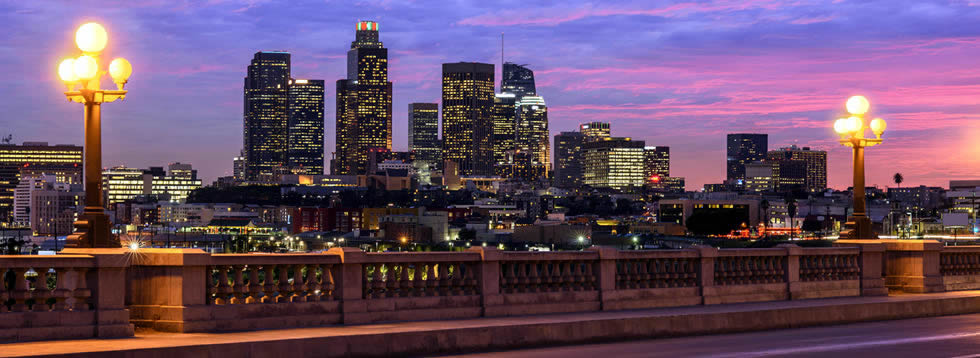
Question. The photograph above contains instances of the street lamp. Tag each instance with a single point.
(82, 76)
(851, 131)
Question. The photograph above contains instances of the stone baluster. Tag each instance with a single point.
(314, 282)
(431, 282)
(405, 281)
(642, 275)
(299, 286)
(21, 292)
(239, 291)
(443, 279)
(4, 295)
(254, 286)
(507, 277)
(392, 280)
(285, 289)
(418, 279)
(269, 284)
(81, 294)
(533, 278)
(566, 273)
(223, 288)
(41, 291)
(456, 281)
(469, 277)
(61, 292)
(327, 291)
(590, 277)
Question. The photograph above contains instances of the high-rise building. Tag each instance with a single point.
(35, 159)
(305, 144)
(54, 206)
(760, 177)
(266, 115)
(120, 183)
(568, 159)
(613, 162)
(814, 172)
(238, 167)
(423, 135)
(657, 161)
(363, 103)
(744, 148)
(533, 140)
(504, 132)
(518, 80)
(595, 130)
(467, 117)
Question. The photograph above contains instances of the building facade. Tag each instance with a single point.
(363, 103)
(595, 130)
(305, 141)
(814, 167)
(120, 184)
(517, 80)
(423, 135)
(504, 133)
(657, 161)
(568, 159)
(467, 117)
(744, 148)
(532, 138)
(614, 162)
(34, 159)
(265, 114)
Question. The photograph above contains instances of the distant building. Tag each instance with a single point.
(363, 103)
(467, 117)
(744, 148)
(614, 162)
(34, 159)
(504, 132)
(305, 143)
(423, 136)
(759, 177)
(679, 210)
(517, 79)
(122, 184)
(657, 161)
(54, 207)
(917, 198)
(533, 141)
(266, 116)
(238, 168)
(568, 159)
(812, 173)
(595, 130)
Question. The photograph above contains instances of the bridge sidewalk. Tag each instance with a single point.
(437, 337)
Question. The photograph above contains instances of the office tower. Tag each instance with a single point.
(121, 183)
(48, 206)
(657, 162)
(788, 174)
(33, 159)
(532, 138)
(815, 168)
(305, 144)
(760, 177)
(613, 162)
(266, 116)
(423, 134)
(518, 80)
(504, 135)
(467, 117)
(182, 170)
(595, 130)
(568, 159)
(238, 167)
(363, 103)
(744, 148)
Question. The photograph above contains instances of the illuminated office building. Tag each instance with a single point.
(760, 177)
(423, 135)
(517, 80)
(467, 117)
(595, 130)
(814, 167)
(238, 167)
(120, 183)
(657, 161)
(504, 135)
(363, 103)
(568, 159)
(532, 138)
(613, 162)
(266, 115)
(34, 159)
(305, 148)
(744, 148)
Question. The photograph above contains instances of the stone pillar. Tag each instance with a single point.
(489, 277)
(107, 280)
(350, 284)
(168, 290)
(912, 266)
(707, 274)
(792, 270)
(870, 261)
(606, 272)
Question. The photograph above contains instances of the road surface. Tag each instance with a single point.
(951, 336)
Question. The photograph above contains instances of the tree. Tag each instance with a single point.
(764, 205)
(791, 210)
(467, 234)
(811, 224)
(898, 179)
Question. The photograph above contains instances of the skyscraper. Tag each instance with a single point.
(657, 162)
(266, 117)
(815, 168)
(533, 140)
(363, 102)
(504, 135)
(744, 148)
(305, 150)
(517, 79)
(423, 135)
(568, 159)
(613, 162)
(595, 130)
(467, 117)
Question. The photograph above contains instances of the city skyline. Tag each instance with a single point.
(646, 92)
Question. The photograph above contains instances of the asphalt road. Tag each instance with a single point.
(951, 336)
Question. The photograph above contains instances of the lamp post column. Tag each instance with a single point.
(859, 191)
(93, 156)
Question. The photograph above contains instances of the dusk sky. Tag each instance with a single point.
(681, 74)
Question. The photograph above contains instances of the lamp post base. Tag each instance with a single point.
(858, 228)
(93, 230)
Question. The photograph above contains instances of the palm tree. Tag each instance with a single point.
(764, 205)
(898, 179)
(791, 210)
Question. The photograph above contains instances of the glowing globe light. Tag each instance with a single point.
(854, 124)
(857, 105)
(840, 126)
(91, 38)
(85, 67)
(66, 70)
(878, 126)
(120, 69)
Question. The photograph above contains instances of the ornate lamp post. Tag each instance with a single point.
(851, 131)
(81, 76)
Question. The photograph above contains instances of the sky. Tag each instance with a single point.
(676, 73)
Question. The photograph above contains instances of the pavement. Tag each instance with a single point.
(950, 336)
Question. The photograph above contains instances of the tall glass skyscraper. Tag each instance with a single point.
(517, 79)
(504, 132)
(467, 117)
(305, 150)
(744, 148)
(533, 139)
(363, 102)
(423, 134)
(266, 101)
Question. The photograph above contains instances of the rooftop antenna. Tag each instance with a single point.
(501, 51)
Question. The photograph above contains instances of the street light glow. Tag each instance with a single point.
(85, 67)
(91, 38)
(120, 69)
(858, 105)
(66, 70)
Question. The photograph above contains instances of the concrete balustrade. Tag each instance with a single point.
(960, 267)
